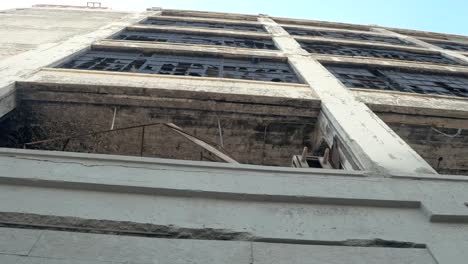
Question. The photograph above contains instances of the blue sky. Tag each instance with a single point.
(450, 16)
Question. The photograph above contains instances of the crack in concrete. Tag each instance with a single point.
(121, 228)
(113, 165)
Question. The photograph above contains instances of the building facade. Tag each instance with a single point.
(176, 136)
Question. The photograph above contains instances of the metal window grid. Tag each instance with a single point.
(403, 81)
(244, 27)
(154, 63)
(201, 39)
(346, 35)
(384, 53)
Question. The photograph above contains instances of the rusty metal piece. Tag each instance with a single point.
(201, 143)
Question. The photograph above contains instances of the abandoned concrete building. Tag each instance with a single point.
(175, 136)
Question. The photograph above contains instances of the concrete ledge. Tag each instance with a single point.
(278, 184)
(340, 30)
(64, 80)
(410, 65)
(413, 104)
(419, 33)
(205, 14)
(188, 49)
(204, 19)
(81, 248)
(194, 30)
(306, 22)
(367, 44)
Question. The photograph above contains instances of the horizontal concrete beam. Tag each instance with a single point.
(205, 19)
(180, 48)
(338, 30)
(205, 14)
(437, 68)
(79, 248)
(194, 30)
(413, 104)
(365, 44)
(419, 33)
(262, 203)
(135, 84)
(461, 41)
(327, 24)
(446, 53)
(317, 185)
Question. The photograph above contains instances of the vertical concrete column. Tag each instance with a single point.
(372, 144)
(447, 53)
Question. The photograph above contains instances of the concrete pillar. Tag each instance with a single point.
(368, 140)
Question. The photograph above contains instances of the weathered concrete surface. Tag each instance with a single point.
(411, 65)
(287, 205)
(17, 241)
(149, 85)
(226, 51)
(413, 104)
(255, 122)
(79, 248)
(447, 53)
(59, 34)
(304, 254)
(435, 126)
(313, 185)
(27, 29)
(375, 146)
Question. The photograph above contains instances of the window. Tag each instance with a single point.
(155, 63)
(244, 27)
(197, 39)
(398, 80)
(345, 35)
(384, 53)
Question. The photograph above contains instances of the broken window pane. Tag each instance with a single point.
(399, 80)
(199, 39)
(375, 52)
(155, 63)
(244, 27)
(346, 35)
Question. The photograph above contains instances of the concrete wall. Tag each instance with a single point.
(27, 29)
(164, 198)
(50, 35)
(87, 208)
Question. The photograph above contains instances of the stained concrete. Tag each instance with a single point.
(79, 248)
(61, 42)
(29, 28)
(300, 254)
(64, 188)
(265, 130)
(304, 214)
(360, 130)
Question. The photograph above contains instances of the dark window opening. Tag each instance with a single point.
(197, 39)
(375, 52)
(403, 81)
(243, 27)
(450, 45)
(346, 35)
(154, 63)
